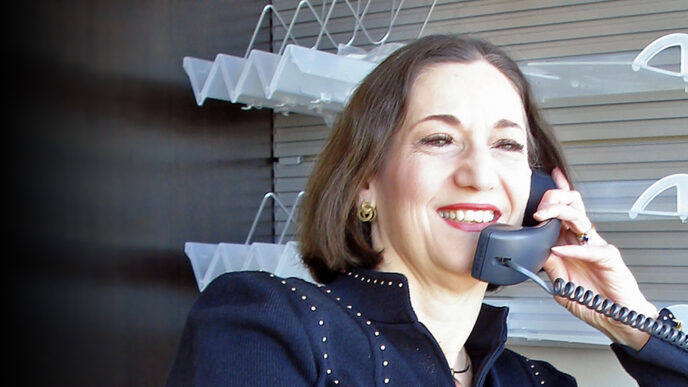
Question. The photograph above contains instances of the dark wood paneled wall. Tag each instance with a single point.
(113, 168)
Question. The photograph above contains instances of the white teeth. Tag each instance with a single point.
(469, 216)
(478, 216)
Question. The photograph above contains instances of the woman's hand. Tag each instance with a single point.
(596, 265)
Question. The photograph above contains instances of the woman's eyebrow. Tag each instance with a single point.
(504, 123)
(452, 120)
(446, 118)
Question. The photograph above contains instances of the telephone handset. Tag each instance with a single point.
(527, 245)
(508, 255)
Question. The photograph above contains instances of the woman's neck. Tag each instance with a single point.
(447, 308)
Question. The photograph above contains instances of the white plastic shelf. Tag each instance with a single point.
(210, 260)
(615, 73)
(302, 80)
(313, 82)
(647, 199)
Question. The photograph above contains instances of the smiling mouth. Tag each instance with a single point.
(468, 216)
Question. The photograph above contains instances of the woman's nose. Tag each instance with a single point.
(476, 170)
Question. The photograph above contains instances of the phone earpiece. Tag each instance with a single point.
(540, 182)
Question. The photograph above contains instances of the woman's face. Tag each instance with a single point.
(457, 164)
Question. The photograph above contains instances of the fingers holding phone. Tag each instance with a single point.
(585, 258)
(567, 205)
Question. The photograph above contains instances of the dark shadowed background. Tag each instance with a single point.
(113, 167)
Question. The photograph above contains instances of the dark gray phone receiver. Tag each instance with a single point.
(528, 245)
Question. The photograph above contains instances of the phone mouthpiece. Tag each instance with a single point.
(527, 246)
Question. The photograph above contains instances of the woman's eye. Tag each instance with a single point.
(509, 145)
(437, 140)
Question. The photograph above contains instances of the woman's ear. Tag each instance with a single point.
(367, 193)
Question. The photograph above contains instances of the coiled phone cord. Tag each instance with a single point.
(606, 307)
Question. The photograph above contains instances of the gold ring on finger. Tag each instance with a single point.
(583, 237)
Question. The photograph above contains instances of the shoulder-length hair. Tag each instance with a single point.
(331, 238)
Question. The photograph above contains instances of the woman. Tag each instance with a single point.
(437, 143)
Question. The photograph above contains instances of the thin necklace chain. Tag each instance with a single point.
(468, 366)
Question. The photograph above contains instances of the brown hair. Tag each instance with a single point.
(331, 238)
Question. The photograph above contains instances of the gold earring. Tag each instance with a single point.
(366, 212)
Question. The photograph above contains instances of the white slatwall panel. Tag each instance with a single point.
(638, 137)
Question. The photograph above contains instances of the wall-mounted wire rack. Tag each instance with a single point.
(296, 78)
(308, 80)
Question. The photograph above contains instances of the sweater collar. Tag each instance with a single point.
(384, 297)
(381, 296)
(486, 341)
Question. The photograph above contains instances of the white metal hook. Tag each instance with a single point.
(291, 216)
(680, 181)
(427, 17)
(393, 13)
(659, 45)
(323, 28)
(359, 22)
(269, 195)
(323, 25)
(358, 12)
(260, 21)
